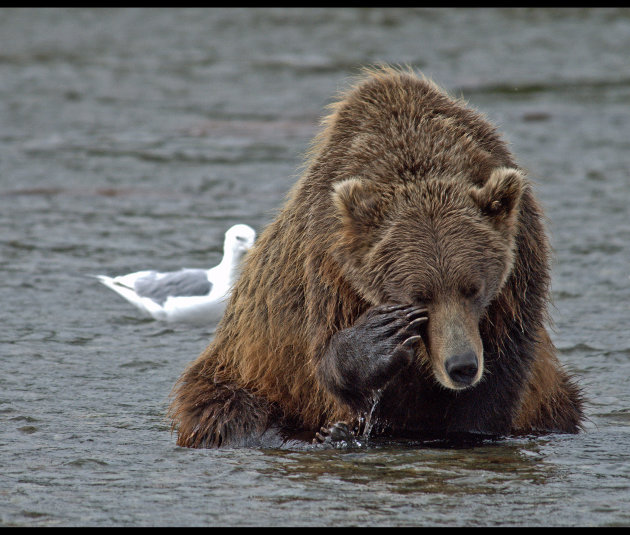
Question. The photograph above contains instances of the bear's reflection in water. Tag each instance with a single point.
(408, 468)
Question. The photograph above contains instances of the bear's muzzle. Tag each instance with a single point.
(454, 344)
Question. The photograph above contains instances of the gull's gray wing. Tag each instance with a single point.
(186, 282)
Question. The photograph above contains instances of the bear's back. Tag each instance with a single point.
(395, 126)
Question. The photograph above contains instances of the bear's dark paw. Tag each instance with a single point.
(384, 341)
(363, 358)
(336, 435)
(388, 334)
(393, 322)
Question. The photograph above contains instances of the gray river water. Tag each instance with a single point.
(132, 139)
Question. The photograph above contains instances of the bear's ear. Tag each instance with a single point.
(359, 204)
(500, 196)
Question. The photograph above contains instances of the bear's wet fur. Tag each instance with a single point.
(409, 267)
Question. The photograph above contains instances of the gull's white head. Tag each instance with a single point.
(239, 239)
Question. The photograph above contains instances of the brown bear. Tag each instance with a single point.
(406, 277)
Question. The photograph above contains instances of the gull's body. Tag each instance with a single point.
(187, 295)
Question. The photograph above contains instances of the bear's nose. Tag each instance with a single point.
(462, 368)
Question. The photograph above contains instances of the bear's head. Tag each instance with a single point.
(444, 243)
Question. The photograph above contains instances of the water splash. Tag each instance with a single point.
(366, 421)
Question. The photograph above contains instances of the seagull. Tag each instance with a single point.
(187, 295)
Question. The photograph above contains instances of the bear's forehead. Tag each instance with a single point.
(421, 259)
(449, 190)
(447, 237)
(451, 234)
(435, 204)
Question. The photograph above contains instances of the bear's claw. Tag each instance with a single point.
(336, 433)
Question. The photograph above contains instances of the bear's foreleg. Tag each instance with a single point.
(363, 358)
(217, 415)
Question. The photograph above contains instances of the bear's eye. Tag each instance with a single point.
(472, 290)
(422, 299)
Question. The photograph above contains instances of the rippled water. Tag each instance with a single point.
(132, 139)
